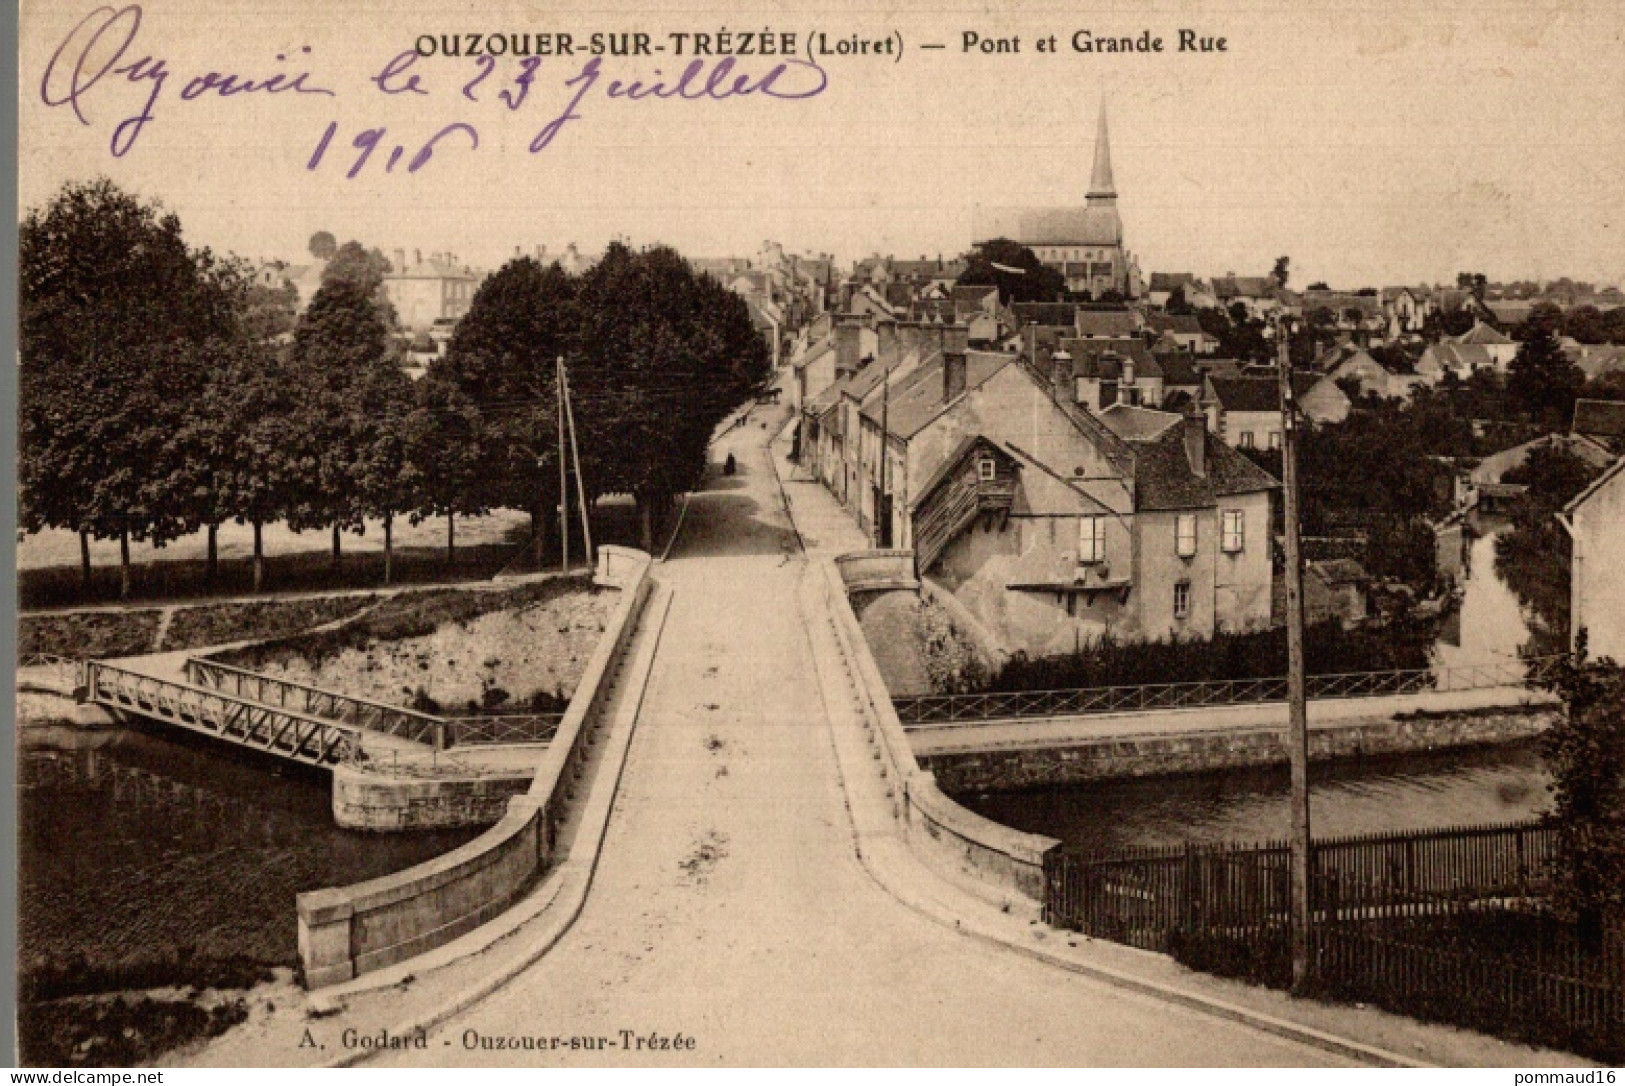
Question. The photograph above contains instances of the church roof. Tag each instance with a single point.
(1100, 179)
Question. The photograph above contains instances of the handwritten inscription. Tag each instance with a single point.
(100, 52)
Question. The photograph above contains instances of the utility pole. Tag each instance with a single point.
(575, 455)
(1297, 705)
(564, 491)
(882, 503)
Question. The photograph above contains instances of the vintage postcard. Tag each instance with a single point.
(800, 533)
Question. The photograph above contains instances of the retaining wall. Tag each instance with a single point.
(382, 801)
(877, 570)
(1199, 752)
(959, 843)
(347, 931)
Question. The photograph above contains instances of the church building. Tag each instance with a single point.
(1084, 244)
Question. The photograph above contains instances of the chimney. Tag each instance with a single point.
(1061, 375)
(848, 342)
(1196, 443)
(953, 375)
(956, 337)
(887, 351)
(400, 260)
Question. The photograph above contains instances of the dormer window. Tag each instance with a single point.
(986, 469)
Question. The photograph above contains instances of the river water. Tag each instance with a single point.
(1372, 795)
(135, 845)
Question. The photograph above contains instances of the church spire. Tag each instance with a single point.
(1101, 186)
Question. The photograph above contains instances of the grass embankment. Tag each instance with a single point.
(75, 1013)
(105, 634)
(451, 651)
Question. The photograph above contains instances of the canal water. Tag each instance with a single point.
(1372, 795)
(1491, 624)
(136, 846)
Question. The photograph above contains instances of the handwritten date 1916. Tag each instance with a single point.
(367, 142)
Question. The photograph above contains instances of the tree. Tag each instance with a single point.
(442, 438)
(502, 358)
(1015, 270)
(339, 339)
(1585, 751)
(1533, 557)
(1476, 282)
(115, 312)
(664, 355)
(323, 245)
(385, 479)
(366, 269)
(1281, 271)
(1542, 380)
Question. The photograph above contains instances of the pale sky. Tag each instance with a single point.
(1372, 142)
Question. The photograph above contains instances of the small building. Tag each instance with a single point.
(1339, 591)
(1596, 522)
(1601, 421)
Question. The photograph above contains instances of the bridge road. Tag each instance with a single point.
(729, 904)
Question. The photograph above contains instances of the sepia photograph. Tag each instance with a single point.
(798, 533)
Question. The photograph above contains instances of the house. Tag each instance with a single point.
(1489, 494)
(1601, 421)
(1179, 376)
(1500, 348)
(1597, 359)
(1106, 323)
(1246, 411)
(1108, 371)
(1347, 363)
(1449, 356)
(1050, 527)
(1183, 330)
(1256, 294)
(1164, 285)
(426, 291)
(1406, 309)
(1596, 522)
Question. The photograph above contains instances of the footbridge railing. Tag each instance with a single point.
(287, 733)
(326, 704)
(936, 710)
(435, 731)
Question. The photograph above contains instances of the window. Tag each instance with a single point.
(1185, 535)
(1246, 439)
(986, 470)
(1182, 599)
(1092, 539)
(1275, 439)
(1233, 536)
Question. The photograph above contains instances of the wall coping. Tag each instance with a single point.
(629, 570)
(920, 791)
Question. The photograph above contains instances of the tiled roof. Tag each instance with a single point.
(1177, 370)
(1090, 357)
(1054, 226)
(1599, 418)
(916, 399)
(1247, 393)
(1340, 571)
(1483, 334)
(1163, 478)
(1107, 322)
(1170, 281)
(1138, 423)
(1243, 286)
(1046, 314)
(1183, 324)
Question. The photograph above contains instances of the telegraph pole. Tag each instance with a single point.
(1297, 704)
(564, 487)
(575, 454)
(882, 504)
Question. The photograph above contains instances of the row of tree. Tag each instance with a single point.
(162, 391)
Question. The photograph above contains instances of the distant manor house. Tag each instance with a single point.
(1084, 244)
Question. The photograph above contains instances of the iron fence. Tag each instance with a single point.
(949, 709)
(469, 731)
(1446, 924)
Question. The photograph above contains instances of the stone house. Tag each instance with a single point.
(1596, 522)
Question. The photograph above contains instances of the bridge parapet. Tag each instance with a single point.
(877, 570)
(347, 931)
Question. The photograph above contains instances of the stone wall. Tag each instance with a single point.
(348, 931)
(1200, 752)
(381, 801)
(965, 847)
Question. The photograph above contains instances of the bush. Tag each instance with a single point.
(1328, 649)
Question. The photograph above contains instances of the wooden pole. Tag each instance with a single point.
(883, 507)
(575, 455)
(564, 490)
(1297, 704)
